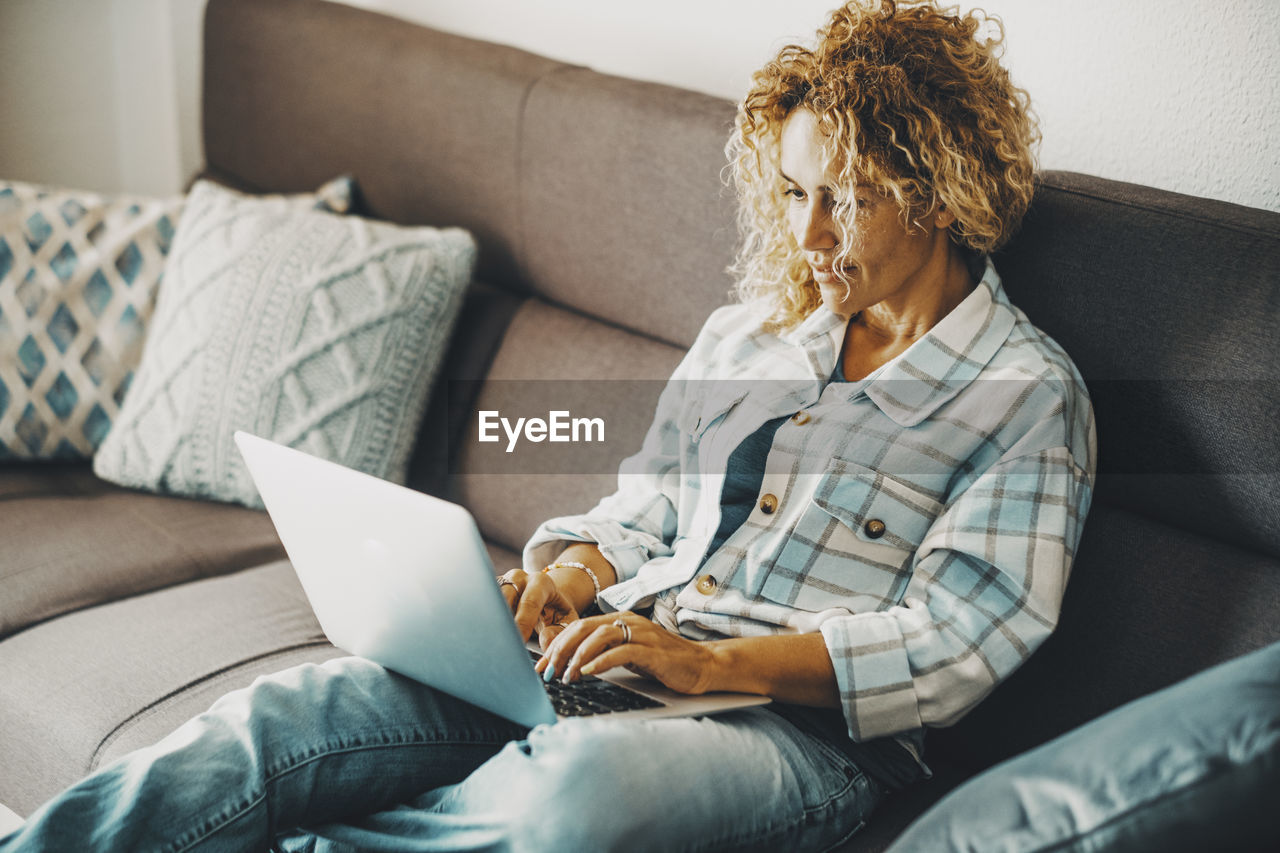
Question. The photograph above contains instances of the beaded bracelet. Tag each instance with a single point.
(567, 564)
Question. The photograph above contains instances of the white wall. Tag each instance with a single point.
(1178, 94)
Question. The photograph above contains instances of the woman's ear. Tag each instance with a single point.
(943, 218)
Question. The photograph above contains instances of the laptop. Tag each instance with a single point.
(403, 579)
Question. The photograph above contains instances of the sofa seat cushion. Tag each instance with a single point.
(121, 674)
(124, 674)
(72, 540)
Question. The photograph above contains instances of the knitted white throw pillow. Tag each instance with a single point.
(318, 331)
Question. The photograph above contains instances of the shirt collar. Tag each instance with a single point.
(932, 370)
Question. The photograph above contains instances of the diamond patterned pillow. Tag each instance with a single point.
(317, 331)
(78, 278)
(78, 275)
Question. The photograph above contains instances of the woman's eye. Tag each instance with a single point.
(793, 192)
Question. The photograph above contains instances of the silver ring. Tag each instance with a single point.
(626, 630)
(505, 580)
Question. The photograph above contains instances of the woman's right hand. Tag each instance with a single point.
(537, 604)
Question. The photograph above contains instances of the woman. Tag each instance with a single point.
(873, 531)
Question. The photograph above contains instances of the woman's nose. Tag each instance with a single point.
(814, 232)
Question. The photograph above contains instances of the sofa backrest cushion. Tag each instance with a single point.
(1170, 306)
(600, 193)
(625, 215)
(555, 360)
(428, 123)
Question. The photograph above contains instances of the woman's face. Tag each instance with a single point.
(885, 264)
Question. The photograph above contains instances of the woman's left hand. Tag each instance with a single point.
(591, 646)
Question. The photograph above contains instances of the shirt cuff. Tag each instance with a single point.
(625, 549)
(877, 693)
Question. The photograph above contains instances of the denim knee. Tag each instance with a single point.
(555, 790)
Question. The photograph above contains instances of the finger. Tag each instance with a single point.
(529, 608)
(603, 639)
(548, 632)
(556, 656)
(509, 585)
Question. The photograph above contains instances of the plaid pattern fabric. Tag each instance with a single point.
(923, 519)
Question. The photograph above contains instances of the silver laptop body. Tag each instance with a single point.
(403, 579)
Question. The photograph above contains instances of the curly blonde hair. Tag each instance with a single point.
(912, 100)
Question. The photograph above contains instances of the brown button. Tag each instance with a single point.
(706, 584)
(874, 528)
(801, 418)
(768, 504)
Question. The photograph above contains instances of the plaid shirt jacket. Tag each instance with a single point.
(924, 519)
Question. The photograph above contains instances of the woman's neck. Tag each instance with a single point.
(879, 334)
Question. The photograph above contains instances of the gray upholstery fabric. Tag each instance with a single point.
(77, 684)
(426, 121)
(553, 359)
(624, 214)
(171, 654)
(1168, 305)
(1147, 605)
(71, 540)
(486, 311)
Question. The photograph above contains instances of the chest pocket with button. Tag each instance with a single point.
(854, 543)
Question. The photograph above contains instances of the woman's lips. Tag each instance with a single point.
(828, 276)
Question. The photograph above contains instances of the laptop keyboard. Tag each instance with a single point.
(590, 695)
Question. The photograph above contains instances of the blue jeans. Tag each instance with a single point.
(347, 756)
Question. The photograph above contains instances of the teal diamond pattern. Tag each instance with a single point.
(78, 274)
(62, 328)
(96, 426)
(38, 231)
(72, 211)
(30, 361)
(62, 397)
(64, 263)
(31, 429)
(123, 388)
(164, 231)
(129, 263)
(67, 451)
(95, 362)
(97, 293)
(30, 293)
(130, 326)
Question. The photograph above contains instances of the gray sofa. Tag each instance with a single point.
(605, 232)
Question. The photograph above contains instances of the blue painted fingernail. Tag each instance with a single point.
(549, 673)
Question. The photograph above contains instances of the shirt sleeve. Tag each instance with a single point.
(638, 522)
(985, 591)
